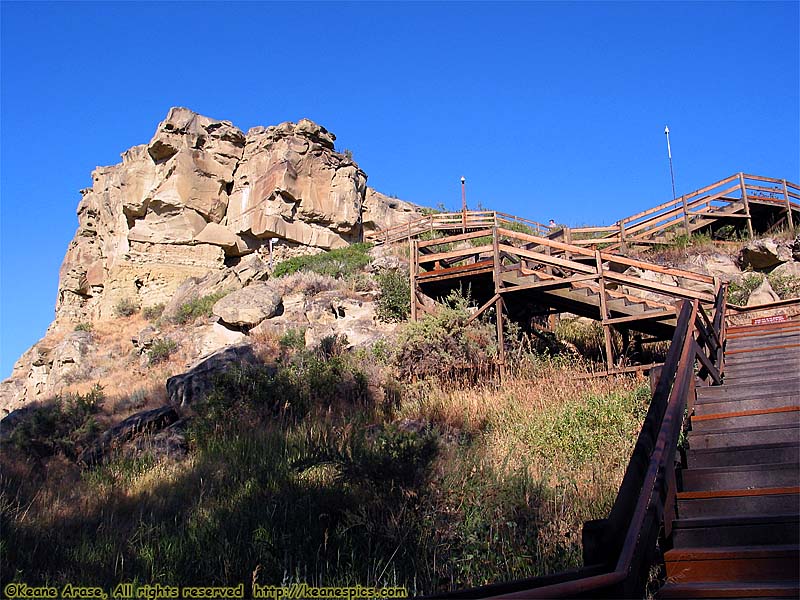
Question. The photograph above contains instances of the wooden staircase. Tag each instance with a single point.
(737, 534)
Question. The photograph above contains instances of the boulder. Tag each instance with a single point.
(788, 269)
(149, 421)
(249, 306)
(198, 381)
(207, 339)
(764, 254)
(214, 282)
(251, 268)
(763, 294)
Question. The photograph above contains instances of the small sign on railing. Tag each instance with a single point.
(769, 320)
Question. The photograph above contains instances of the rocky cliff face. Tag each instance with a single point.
(202, 208)
(201, 195)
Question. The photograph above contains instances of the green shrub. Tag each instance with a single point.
(339, 263)
(199, 307)
(442, 345)
(293, 339)
(154, 312)
(64, 426)
(394, 303)
(739, 292)
(125, 307)
(786, 286)
(85, 326)
(161, 350)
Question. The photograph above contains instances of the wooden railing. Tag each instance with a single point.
(619, 550)
(530, 251)
(729, 198)
(454, 221)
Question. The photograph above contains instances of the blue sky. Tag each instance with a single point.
(551, 110)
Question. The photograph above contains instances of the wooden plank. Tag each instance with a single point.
(706, 362)
(652, 315)
(465, 253)
(660, 287)
(788, 205)
(604, 314)
(632, 262)
(745, 413)
(548, 260)
(549, 283)
(484, 266)
(414, 255)
(763, 349)
(543, 241)
(454, 238)
(761, 178)
(702, 494)
(746, 205)
(483, 308)
(690, 195)
(601, 229)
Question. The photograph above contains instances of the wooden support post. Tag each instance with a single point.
(746, 204)
(496, 276)
(567, 240)
(604, 314)
(412, 269)
(623, 246)
(501, 356)
(788, 206)
(686, 216)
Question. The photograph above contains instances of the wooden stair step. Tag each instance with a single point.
(744, 436)
(780, 415)
(728, 564)
(718, 503)
(756, 370)
(763, 475)
(742, 590)
(743, 455)
(737, 530)
(731, 405)
(770, 339)
(786, 378)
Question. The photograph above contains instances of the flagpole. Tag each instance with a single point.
(674, 194)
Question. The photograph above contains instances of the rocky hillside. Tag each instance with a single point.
(201, 202)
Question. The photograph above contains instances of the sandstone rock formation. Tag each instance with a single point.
(202, 193)
(200, 209)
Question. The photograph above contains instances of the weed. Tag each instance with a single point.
(65, 425)
(394, 302)
(125, 307)
(197, 308)
(161, 350)
(84, 326)
(786, 286)
(339, 263)
(739, 292)
(294, 339)
(154, 312)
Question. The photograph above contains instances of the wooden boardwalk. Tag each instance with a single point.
(737, 531)
(754, 203)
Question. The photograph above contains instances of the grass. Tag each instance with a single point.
(161, 349)
(125, 307)
(340, 263)
(321, 467)
(197, 308)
